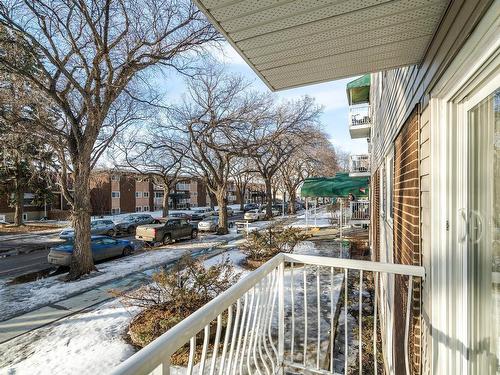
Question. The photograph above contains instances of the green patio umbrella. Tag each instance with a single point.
(339, 186)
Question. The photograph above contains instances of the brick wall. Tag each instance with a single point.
(406, 246)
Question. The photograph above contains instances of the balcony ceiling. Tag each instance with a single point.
(291, 43)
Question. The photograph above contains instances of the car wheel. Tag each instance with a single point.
(127, 250)
(110, 233)
(194, 234)
(216, 228)
(167, 239)
(131, 230)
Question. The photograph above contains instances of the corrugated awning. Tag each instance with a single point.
(358, 91)
(291, 43)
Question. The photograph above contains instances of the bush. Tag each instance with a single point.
(262, 246)
(173, 295)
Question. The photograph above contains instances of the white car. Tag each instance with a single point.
(230, 211)
(200, 213)
(254, 215)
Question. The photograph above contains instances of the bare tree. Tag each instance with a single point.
(87, 56)
(279, 135)
(154, 152)
(242, 172)
(342, 160)
(314, 158)
(215, 119)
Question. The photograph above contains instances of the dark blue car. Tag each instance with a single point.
(103, 247)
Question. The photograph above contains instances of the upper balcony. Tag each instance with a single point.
(360, 115)
(359, 165)
(360, 121)
(285, 317)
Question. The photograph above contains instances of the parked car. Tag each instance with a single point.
(166, 231)
(101, 226)
(230, 211)
(209, 224)
(254, 215)
(201, 213)
(103, 247)
(250, 206)
(129, 223)
(180, 215)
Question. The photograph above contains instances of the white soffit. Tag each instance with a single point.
(291, 43)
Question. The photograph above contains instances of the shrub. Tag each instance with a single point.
(173, 295)
(262, 246)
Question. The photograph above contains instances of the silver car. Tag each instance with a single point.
(210, 224)
(100, 226)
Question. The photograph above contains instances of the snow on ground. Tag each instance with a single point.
(20, 298)
(92, 342)
(86, 343)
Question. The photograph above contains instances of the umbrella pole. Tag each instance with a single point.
(341, 217)
(315, 211)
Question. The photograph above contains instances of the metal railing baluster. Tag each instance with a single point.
(346, 344)
(360, 322)
(407, 325)
(292, 298)
(215, 351)
(192, 349)
(305, 313)
(240, 334)
(318, 307)
(247, 330)
(206, 337)
(332, 318)
(226, 338)
(375, 310)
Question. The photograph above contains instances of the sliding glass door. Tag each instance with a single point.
(483, 235)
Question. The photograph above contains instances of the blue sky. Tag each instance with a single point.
(331, 95)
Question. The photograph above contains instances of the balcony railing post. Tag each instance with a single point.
(281, 317)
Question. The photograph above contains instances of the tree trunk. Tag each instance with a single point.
(269, 205)
(222, 203)
(241, 197)
(213, 199)
(82, 262)
(274, 195)
(292, 199)
(166, 191)
(19, 206)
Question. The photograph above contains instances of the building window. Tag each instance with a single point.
(145, 208)
(138, 209)
(115, 178)
(145, 194)
(115, 211)
(138, 194)
(115, 194)
(159, 194)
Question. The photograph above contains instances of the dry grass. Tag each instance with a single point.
(13, 229)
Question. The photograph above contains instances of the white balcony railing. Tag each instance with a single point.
(359, 165)
(360, 120)
(280, 317)
(360, 115)
(360, 210)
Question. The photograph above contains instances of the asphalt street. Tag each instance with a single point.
(30, 254)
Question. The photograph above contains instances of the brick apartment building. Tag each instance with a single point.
(115, 192)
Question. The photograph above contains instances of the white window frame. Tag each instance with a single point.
(138, 194)
(138, 208)
(145, 209)
(115, 194)
(452, 96)
(145, 194)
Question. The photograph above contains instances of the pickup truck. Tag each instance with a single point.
(166, 231)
